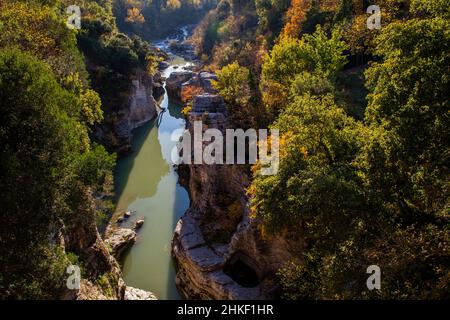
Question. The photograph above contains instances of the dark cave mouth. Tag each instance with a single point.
(242, 273)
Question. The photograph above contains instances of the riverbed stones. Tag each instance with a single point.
(163, 65)
(138, 224)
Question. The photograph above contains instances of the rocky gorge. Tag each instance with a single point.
(102, 277)
(220, 251)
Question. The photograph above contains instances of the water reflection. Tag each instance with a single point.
(147, 183)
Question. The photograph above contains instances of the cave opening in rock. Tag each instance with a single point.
(242, 273)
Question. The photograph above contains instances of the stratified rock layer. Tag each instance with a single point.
(140, 108)
(219, 250)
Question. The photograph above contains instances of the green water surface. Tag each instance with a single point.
(147, 184)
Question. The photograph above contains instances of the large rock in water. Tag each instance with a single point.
(138, 294)
(206, 79)
(175, 81)
(120, 239)
(184, 49)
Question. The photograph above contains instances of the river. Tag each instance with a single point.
(146, 183)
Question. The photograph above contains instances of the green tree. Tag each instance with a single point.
(314, 53)
(47, 172)
(319, 143)
(409, 106)
(233, 84)
(313, 84)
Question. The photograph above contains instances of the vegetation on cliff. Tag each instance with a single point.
(364, 172)
(53, 93)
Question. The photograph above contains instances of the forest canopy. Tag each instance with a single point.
(364, 121)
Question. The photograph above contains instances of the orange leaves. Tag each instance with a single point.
(296, 15)
(188, 92)
(134, 16)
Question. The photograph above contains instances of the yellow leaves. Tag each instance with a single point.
(330, 5)
(29, 26)
(186, 110)
(283, 142)
(91, 111)
(152, 64)
(274, 95)
(357, 35)
(263, 232)
(134, 16)
(287, 140)
(173, 4)
(304, 151)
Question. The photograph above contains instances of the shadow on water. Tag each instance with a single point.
(125, 164)
(144, 163)
(181, 200)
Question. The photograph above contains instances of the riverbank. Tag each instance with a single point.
(146, 184)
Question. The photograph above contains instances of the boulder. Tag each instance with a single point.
(175, 81)
(138, 294)
(138, 224)
(206, 78)
(163, 65)
(120, 239)
(184, 49)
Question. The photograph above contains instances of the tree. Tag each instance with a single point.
(409, 105)
(134, 16)
(318, 144)
(296, 16)
(47, 174)
(233, 85)
(313, 84)
(314, 53)
(39, 30)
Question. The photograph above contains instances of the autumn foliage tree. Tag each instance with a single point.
(295, 16)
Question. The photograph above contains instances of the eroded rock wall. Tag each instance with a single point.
(141, 107)
(219, 249)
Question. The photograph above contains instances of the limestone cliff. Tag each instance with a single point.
(101, 277)
(219, 250)
(140, 107)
